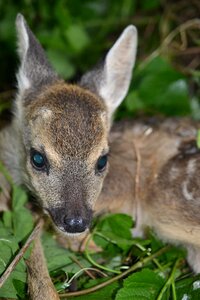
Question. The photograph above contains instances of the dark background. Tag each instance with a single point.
(76, 34)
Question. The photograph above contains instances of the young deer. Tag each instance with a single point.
(57, 143)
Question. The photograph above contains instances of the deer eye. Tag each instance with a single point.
(38, 160)
(102, 162)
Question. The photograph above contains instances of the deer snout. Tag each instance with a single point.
(70, 221)
(76, 224)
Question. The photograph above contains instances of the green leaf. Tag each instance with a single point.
(56, 256)
(22, 223)
(105, 293)
(115, 228)
(142, 285)
(20, 287)
(188, 288)
(16, 283)
(157, 87)
(163, 94)
(8, 249)
(133, 103)
(77, 37)
(7, 219)
(61, 63)
(119, 224)
(21, 217)
(19, 198)
(149, 5)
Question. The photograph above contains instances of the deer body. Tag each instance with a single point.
(167, 198)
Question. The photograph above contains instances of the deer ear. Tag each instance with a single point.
(35, 70)
(111, 81)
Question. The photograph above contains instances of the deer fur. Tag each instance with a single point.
(168, 195)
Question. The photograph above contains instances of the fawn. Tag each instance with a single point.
(57, 146)
(57, 143)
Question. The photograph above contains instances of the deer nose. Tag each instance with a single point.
(75, 225)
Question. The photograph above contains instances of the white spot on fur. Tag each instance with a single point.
(174, 173)
(45, 112)
(148, 131)
(185, 297)
(185, 191)
(196, 285)
(191, 167)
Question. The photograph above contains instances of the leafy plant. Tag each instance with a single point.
(15, 226)
(75, 35)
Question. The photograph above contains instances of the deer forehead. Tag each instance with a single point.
(67, 120)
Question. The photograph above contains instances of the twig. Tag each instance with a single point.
(183, 27)
(82, 267)
(17, 258)
(137, 185)
(194, 23)
(136, 266)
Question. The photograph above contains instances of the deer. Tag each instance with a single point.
(60, 137)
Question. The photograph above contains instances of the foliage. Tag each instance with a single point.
(15, 226)
(75, 35)
(161, 278)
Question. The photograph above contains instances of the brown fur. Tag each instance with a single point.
(169, 193)
(81, 123)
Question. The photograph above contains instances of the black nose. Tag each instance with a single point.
(75, 225)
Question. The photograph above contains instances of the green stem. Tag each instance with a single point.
(136, 266)
(148, 253)
(169, 281)
(94, 262)
(173, 291)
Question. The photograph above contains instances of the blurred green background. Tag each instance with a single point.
(76, 34)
